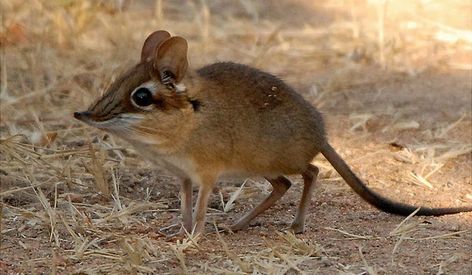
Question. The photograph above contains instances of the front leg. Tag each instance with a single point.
(186, 204)
(206, 187)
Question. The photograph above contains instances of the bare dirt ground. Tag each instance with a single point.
(395, 92)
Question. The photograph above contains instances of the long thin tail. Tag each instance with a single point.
(377, 200)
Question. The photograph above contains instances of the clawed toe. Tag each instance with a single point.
(297, 228)
(169, 231)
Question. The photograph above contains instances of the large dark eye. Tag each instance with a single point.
(142, 97)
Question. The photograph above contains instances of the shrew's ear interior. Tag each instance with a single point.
(151, 43)
(171, 60)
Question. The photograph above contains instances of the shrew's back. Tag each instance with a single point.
(264, 118)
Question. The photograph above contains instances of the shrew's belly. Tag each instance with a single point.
(180, 167)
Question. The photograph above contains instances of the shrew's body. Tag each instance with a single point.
(254, 123)
(223, 120)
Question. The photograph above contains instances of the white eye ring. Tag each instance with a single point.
(150, 86)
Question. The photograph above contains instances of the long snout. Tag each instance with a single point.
(82, 115)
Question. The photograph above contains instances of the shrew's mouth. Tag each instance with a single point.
(88, 118)
(81, 115)
(118, 122)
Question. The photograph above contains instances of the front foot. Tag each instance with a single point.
(181, 234)
(170, 231)
(297, 228)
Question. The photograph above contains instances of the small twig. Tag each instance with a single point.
(397, 245)
(354, 236)
(396, 230)
(438, 236)
(368, 268)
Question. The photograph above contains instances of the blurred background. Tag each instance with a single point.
(62, 53)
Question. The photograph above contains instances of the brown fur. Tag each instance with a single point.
(231, 121)
(115, 100)
(246, 138)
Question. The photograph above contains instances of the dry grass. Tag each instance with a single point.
(75, 200)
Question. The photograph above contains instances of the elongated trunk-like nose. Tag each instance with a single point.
(81, 115)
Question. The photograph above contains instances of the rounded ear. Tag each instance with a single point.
(151, 43)
(171, 60)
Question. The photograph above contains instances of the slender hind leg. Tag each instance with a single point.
(309, 180)
(280, 185)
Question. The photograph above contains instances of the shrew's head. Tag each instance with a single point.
(149, 102)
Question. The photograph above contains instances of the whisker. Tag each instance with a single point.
(130, 117)
(145, 128)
